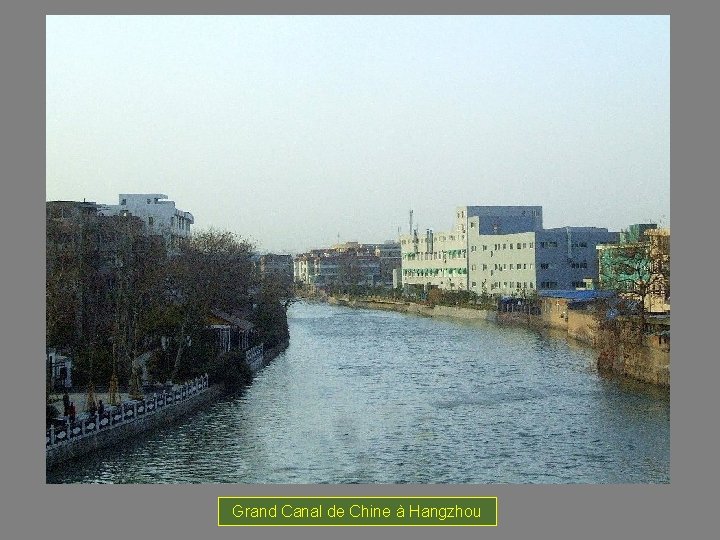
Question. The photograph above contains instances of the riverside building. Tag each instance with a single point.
(549, 259)
(441, 259)
(501, 250)
(345, 264)
(160, 216)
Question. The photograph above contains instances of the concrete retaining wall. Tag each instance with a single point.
(646, 363)
(113, 435)
(418, 309)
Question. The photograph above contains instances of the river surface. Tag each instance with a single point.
(363, 396)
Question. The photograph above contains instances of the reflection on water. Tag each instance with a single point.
(366, 396)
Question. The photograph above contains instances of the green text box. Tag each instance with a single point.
(358, 511)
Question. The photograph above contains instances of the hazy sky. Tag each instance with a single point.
(292, 130)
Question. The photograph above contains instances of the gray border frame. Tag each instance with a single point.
(32, 509)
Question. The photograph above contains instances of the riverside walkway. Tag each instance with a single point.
(63, 432)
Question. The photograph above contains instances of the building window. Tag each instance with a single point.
(511, 266)
(518, 245)
(123, 202)
(148, 201)
(150, 221)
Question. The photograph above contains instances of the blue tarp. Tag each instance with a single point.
(577, 296)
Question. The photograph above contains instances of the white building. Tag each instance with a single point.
(502, 250)
(346, 264)
(441, 259)
(159, 215)
(564, 258)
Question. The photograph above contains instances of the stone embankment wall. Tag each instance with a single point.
(132, 418)
(128, 419)
(417, 309)
(648, 362)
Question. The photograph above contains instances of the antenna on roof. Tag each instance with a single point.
(411, 220)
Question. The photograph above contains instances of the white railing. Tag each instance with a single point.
(128, 411)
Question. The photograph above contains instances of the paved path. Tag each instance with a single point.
(79, 398)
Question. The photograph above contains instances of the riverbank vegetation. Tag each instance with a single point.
(114, 294)
(435, 296)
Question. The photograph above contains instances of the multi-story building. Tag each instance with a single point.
(89, 257)
(563, 258)
(502, 250)
(343, 264)
(659, 239)
(278, 266)
(638, 267)
(441, 259)
(160, 216)
(388, 254)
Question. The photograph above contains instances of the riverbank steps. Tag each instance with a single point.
(648, 362)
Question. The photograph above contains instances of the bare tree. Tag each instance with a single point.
(638, 272)
(213, 271)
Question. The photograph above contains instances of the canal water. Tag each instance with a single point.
(363, 396)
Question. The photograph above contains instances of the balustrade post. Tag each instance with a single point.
(52, 434)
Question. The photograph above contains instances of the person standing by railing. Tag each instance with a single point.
(66, 403)
(71, 412)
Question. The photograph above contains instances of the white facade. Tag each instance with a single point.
(160, 216)
(502, 264)
(502, 250)
(441, 259)
(564, 258)
(343, 264)
(435, 260)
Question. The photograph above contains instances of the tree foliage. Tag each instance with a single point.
(113, 292)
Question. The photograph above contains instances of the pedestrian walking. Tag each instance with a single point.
(71, 412)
